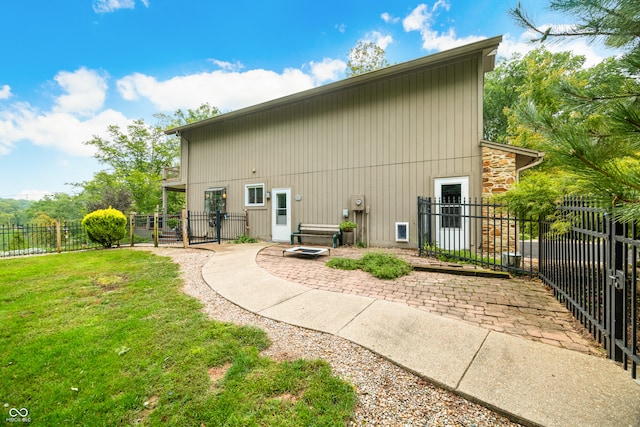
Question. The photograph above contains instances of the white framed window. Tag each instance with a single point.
(254, 195)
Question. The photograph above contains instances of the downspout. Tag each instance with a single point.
(536, 162)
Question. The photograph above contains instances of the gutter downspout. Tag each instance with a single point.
(536, 162)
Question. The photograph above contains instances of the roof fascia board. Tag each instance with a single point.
(513, 149)
(485, 47)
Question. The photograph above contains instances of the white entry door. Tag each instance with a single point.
(281, 214)
(452, 213)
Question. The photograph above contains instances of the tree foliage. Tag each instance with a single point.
(595, 133)
(520, 80)
(12, 212)
(136, 157)
(366, 57)
(59, 206)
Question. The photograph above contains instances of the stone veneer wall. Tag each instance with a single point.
(498, 175)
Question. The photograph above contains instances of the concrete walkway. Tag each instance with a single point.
(531, 383)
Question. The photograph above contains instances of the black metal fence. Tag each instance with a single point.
(169, 228)
(590, 260)
(479, 232)
(207, 227)
(32, 239)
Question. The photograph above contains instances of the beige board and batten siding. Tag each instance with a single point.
(387, 139)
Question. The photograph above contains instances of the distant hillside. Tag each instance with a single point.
(13, 211)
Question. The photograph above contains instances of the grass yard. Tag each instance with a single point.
(106, 338)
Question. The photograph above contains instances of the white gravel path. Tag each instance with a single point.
(387, 394)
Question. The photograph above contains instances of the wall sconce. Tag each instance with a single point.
(268, 195)
(224, 196)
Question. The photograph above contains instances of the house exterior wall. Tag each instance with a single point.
(386, 139)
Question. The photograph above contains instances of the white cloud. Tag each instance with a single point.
(382, 40)
(341, 27)
(421, 19)
(5, 92)
(417, 19)
(86, 91)
(327, 70)
(32, 195)
(441, 4)
(76, 116)
(228, 66)
(107, 6)
(62, 131)
(386, 17)
(225, 90)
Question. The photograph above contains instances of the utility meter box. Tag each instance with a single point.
(357, 202)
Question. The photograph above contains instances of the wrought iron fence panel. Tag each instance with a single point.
(590, 261)
(479, 232)
(32, 239)
(207, 227)
(169, 228)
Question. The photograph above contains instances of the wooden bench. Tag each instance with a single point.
(318, 230)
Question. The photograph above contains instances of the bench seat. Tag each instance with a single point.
(318, 230)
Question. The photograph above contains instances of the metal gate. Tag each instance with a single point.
(588, 258)
(592, 266)
(213, 227)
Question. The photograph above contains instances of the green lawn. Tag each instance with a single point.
(106, 338)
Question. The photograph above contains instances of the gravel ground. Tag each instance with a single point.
(387, 394)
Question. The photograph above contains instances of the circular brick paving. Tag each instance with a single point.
(525, 308)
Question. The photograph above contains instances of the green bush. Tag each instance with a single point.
(385, 266)
(343, 263)
(380, 265)
(245, 239)
(105, 226)
(348, 226)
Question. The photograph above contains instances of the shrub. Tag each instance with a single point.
(380, 265)
(348, 226)
(343, 263)
(105, 226)
(385, 266)
(245, 239)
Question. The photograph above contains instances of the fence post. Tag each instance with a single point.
(185, 228)
(132, 218)
(58, 237)
(615, 288)
(246, 222)
(155, 228)
(218, 225)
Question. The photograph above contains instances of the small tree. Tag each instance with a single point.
(105, 226)
(366, 57)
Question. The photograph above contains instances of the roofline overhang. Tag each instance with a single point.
(487, 48)
(534, 154)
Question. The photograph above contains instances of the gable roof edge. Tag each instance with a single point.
(486, 47)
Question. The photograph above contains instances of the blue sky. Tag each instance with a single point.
(71, 68)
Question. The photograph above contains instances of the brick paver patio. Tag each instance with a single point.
(518, 307)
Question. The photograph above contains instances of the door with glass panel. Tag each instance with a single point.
(452, 216)
(281, 214)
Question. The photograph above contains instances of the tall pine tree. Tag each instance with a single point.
(599, 141)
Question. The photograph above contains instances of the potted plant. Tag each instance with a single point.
(347, 228)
